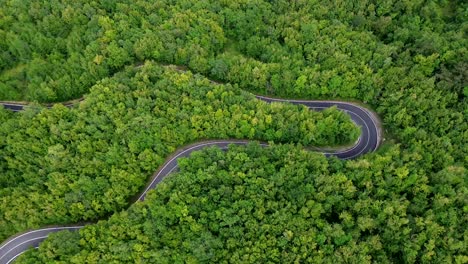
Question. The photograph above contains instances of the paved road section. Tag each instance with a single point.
(20, 106)
(16, 246)
(13, 107)
(368, 122)
(368, 141)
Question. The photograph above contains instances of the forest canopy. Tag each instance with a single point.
(280, 205)
(66, 165)
(405, 59)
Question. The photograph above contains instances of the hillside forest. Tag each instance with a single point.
(407, 60)
(87, 162)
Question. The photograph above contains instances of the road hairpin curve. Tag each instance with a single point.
(368, 141)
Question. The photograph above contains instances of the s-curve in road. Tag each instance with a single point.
(367, 142)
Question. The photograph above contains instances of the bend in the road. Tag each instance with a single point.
(369, 141)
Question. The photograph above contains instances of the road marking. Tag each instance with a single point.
(371, 116)
(38, 230)
(24, 242)
(15, 256)
(185, 151)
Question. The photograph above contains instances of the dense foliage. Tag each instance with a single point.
(407, 59)
(281, 205)
(64, 165)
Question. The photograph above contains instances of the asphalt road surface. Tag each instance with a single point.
(13, 106)
(368, 141)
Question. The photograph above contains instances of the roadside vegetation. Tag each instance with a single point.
(66, 165)
(406, 59)
(281, 204)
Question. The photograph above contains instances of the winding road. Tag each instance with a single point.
(368, 141)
